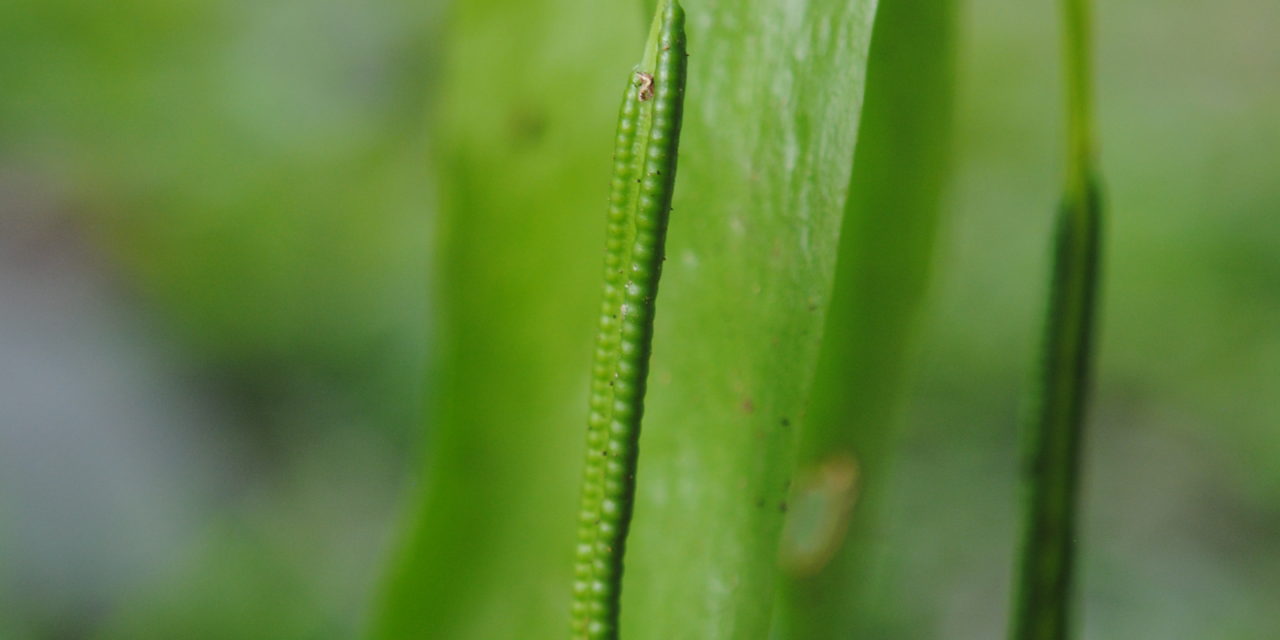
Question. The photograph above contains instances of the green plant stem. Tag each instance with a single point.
(1056, 426)
(1079, 72)
(644, 177)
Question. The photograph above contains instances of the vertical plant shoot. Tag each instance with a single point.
(640, 201)
(1056, 425)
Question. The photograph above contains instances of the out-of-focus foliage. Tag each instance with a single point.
(255, 166)
(253, 174)
(1179, 499)
(524, 134)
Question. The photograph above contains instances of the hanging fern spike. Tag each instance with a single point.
(1055, 434)
(639, 204)
(1057, 420)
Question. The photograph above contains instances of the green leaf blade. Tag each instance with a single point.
(833, 588)
(772, 105)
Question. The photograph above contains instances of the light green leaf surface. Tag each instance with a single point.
(772, 104)
(525, 132)
(833, 587)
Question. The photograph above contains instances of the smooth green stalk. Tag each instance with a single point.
(1052, 463)
(644, 175)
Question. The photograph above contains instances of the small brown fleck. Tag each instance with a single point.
(645, 86)
(815, 530)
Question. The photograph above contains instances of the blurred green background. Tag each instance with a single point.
(215, 231)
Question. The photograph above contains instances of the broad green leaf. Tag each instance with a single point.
(832, 588)
(525, 132)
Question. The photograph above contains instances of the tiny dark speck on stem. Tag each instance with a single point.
(782, 507)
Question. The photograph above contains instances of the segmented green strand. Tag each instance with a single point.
(643, 177)
(1056, 427)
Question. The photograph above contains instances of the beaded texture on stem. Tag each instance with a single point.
(639, 203)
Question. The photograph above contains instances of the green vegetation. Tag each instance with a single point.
(283, 212)
(644, 171)
(1057, 418)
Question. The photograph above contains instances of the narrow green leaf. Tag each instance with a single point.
(1042, 609)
